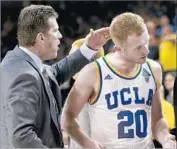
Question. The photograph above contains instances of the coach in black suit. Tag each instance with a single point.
(31, 101)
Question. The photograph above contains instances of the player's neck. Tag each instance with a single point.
(123, 66)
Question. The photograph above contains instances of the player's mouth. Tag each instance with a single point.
(143, 57)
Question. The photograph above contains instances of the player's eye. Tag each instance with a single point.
(139, 47)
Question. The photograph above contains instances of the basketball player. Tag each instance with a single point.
(122, 89)
(83, 117)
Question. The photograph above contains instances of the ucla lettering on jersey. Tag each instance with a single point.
(120, 117)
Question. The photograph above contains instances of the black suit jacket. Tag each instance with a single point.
(30, 112)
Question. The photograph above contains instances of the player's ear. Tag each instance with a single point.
(117, 48)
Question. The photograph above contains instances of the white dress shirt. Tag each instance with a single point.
(35, 58)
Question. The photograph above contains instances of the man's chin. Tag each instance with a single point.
(54, 56)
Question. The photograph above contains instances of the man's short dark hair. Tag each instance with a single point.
(32, 20)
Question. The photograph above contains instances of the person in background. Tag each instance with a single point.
(169, 85)
(164, 22)
(175, 105)
(168, 51)
(168, 110)
(153, 41)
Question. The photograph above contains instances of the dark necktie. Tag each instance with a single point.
(52, 84)
(49, 84)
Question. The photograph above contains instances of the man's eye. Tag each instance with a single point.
(139, 48)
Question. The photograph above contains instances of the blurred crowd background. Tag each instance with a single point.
(77, 17)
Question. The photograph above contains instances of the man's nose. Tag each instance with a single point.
(59, 35)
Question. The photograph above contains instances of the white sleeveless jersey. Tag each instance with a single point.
(120, 117)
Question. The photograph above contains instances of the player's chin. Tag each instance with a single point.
(142, 60)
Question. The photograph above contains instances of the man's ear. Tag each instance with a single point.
(40, 37)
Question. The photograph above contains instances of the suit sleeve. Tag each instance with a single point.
(22, 108)
(70, 65)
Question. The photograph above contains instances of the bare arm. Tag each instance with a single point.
(79, 95)
(159, 126)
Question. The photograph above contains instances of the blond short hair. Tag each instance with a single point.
(124, 25)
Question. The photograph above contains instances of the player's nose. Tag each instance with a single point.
(146, 50)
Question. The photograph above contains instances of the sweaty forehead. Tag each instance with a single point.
(134, 40)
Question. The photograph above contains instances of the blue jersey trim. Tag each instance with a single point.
(152, 75)
(101, 83)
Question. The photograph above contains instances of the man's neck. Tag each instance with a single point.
(34, 50)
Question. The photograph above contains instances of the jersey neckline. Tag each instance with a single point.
(113, 69)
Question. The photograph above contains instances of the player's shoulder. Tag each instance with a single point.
(90, 68)
(155, 66)
(88, 72)
(86, 77)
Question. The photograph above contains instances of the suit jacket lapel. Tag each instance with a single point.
(55, 89)
(53, 110)
(53, 107)
(52, 77)
(26, 57)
